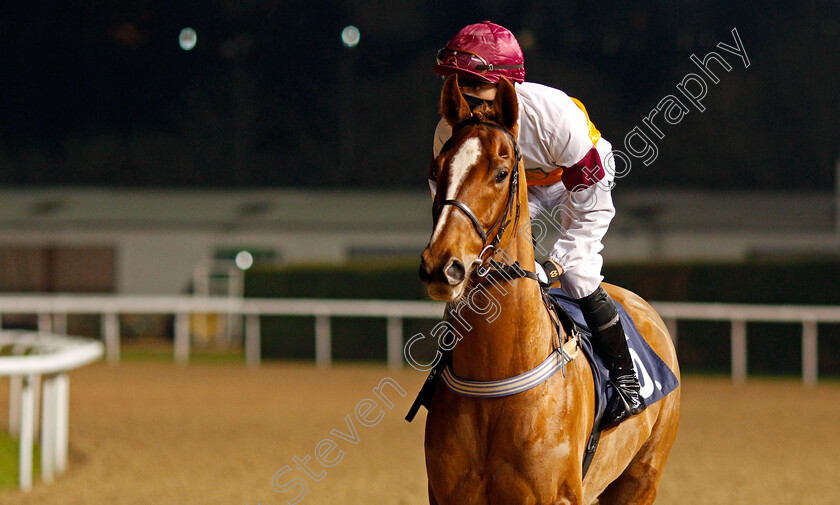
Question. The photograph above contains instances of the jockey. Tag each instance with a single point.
(564, 158)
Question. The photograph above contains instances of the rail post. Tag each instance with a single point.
(45, 322)
(810, 357)
(739, 351)
(60, 323)
(111, 336)
(27, 436)
(182, 338)
(323, 341)
(395, 342)
(48, 427)
(62, 418)
(15, 389)
(252, 340)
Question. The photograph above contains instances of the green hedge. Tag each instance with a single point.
(353, 339)
(770, 282)
(384, 281)
(703, 346)
(773, 348)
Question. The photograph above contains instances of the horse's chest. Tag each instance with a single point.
(476, 452)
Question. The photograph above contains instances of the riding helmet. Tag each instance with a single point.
(482, 52)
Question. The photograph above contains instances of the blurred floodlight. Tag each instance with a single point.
(187, 39)
(350, 36)
(244, 260)
(526, 39)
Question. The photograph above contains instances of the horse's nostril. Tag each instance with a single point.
(455, 272)
(425, 274)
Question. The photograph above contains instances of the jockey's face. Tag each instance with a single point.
(481, 90)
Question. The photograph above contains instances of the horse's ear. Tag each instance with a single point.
(454, 109)
(506, 105)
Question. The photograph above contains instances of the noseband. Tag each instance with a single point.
(488, 248)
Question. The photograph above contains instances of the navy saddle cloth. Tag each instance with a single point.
(655, 378)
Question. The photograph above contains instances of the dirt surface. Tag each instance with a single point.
(156, 433)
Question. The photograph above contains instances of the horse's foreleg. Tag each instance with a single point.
(432, 500)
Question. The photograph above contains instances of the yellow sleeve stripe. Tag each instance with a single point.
(594, 134)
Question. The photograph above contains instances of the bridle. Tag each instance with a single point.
(488, 245)
(562, 322)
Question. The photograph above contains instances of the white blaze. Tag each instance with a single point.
(466, 157)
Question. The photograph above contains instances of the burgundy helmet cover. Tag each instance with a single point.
(482, 52)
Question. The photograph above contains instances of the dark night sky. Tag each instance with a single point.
(100, 93)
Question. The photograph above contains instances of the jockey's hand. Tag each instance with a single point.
(553, 271)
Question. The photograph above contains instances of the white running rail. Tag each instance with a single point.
(27, 357)
(52, 313)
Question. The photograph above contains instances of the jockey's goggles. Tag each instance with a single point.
(463, 59)
(469, 61)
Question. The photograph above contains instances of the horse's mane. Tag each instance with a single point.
(484, 111)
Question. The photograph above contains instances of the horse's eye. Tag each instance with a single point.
(501, 176)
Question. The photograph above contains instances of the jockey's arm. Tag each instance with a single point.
(583, 216)
(583, 206)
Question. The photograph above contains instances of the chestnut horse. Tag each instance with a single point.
(526, 448)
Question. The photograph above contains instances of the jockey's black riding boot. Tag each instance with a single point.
(601, 316)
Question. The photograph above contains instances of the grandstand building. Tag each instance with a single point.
(153, 241)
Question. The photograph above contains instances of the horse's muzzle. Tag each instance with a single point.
(442, 278)
(453, 273)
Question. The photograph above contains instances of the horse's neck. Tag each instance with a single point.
(504, 325)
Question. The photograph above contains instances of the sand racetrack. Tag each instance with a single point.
(155, 433)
